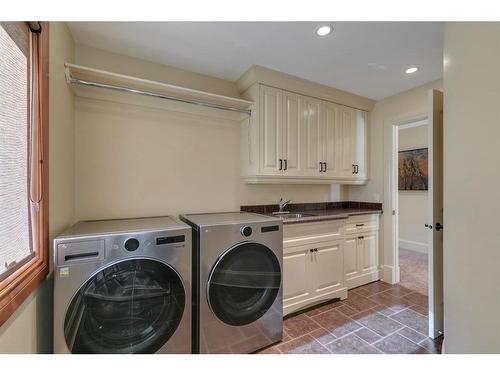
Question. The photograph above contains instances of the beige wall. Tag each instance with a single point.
(161, 157)
(412, 203)
(29, 330)
(406, 106)
(471, 181)
(96, 58)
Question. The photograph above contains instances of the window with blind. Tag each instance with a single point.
(23, 120)
(14, 96)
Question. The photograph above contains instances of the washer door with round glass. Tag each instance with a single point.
(244, 283)
(133, 306)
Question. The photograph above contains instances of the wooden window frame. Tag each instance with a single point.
(15, 288)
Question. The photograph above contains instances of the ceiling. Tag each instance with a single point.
(365, 58)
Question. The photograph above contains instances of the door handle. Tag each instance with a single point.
(438, 226)
(281, 164)
(286, 164)
(428, 226)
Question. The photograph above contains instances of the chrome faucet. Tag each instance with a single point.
(282, 204)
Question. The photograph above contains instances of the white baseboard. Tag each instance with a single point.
(413, 245)
(363, 279)
(390, 275)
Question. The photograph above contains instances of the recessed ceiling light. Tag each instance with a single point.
(324, 30)
(411, 70)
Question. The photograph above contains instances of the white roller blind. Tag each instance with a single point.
(15, 244)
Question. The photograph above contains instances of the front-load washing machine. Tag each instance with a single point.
(123, 286)
(237, 263)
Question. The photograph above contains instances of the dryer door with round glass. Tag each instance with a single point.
(133, 306)
(243, 283)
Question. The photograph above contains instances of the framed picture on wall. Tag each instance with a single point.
(413, 169)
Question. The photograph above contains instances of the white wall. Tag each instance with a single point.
(413, 203)
(406, 106)
(471, 185)
(29, 329)
(167, 158)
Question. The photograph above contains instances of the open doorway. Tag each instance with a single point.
(412, 202)
(409, 266)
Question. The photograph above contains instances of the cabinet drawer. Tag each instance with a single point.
(362, 223)
(302, 234)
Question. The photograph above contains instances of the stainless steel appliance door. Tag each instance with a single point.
(244, 283)
(131, 306)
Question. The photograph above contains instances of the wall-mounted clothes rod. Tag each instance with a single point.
(156, 95)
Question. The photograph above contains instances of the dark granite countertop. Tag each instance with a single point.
(319, 211)
(330, 214)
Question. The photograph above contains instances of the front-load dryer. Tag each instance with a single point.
(123, 286)
(237, 304)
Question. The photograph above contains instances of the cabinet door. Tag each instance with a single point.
(360, 149)
(292, 129)
(313, 145)
(368, 252)
(327, 269)
(271, 130)
(351, 266)
(330, 139)
(346, 141)
(296, 266)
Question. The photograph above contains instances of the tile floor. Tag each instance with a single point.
(375, 318)
(413, 268)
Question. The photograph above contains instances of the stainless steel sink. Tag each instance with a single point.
(291, 215)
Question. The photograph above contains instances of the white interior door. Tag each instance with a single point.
(435, 213)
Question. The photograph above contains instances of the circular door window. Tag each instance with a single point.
(133, 306)
(244, 283)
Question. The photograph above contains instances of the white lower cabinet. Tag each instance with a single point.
(311, 274)
(361, 259)
(322, 260)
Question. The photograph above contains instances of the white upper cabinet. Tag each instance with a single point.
(347, 142)
(293, 108)
(313, 137)
(360, 156)
(292, 138)
(271, 124)
(330, 140)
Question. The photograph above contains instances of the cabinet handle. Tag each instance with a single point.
(281, 164)
(353, 169)
(361, 237)
(311, 250)
(356, 168)
(321, 166)
(286, 164)
(360, 225)
(315, 250)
